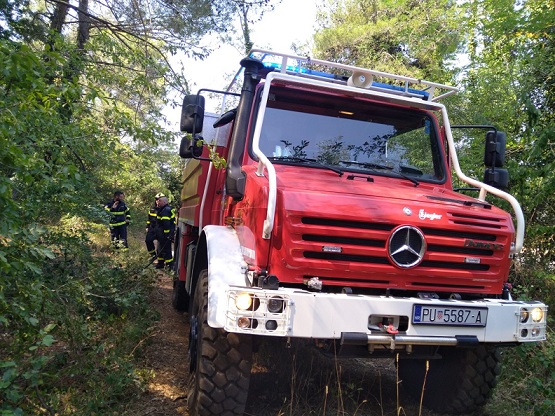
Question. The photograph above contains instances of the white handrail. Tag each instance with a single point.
(484, 189)
(263, 162)
(391, 98)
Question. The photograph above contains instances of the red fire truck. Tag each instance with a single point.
(336, 222)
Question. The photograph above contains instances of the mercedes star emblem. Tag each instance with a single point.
(407, 246)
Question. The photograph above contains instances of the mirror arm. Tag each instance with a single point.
(202, 159)
(197, 137)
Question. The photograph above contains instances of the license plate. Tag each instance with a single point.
(449, 315)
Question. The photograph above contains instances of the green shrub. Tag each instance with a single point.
(73, 324)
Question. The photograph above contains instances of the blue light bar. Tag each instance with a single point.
(397, 88)
(300, 70)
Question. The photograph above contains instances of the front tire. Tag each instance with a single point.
(220, 362)
(459, 383)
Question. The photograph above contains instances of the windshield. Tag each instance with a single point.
(351, 134)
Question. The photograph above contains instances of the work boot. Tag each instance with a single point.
(160, 265)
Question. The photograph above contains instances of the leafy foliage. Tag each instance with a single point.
(500, 53)
(81, 94)
(413, 38)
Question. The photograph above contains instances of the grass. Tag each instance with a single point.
(78, 356)
(301, 381)
(527, 383)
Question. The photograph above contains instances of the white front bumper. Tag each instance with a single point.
(353, 317)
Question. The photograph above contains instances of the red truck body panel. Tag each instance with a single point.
(310, 216)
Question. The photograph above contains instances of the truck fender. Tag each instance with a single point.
(226, 267)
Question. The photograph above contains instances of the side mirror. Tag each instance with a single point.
(192, 114)
(494, 155)
(498, 178)
(189, 148)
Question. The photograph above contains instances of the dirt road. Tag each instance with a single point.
(284, 381)
(166, 358)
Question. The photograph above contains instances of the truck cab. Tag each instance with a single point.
(335, 221)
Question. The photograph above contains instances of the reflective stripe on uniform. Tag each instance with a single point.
(117, 224)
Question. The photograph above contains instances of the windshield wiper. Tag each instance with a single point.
(371, 165)
(407, 177)
(309, 162)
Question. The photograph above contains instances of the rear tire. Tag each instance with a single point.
(176, 253)
(180, 297)
(459, 383)
(220, 362)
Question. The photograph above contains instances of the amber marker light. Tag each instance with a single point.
(243, 323)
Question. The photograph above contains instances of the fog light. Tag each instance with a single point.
(243, 323)
(524, 333)
(271, 325)
(536, 331)
(524, 314)
(275, 305)
(243, 301)
(537, 314)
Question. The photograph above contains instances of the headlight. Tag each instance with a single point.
(275, 304)
(524, 315)
(531, 322)
(537, 314)
(243, 301)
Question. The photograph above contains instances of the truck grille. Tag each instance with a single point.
(358, 252)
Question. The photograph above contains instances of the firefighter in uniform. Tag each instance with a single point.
(165, 230)
(119, 220)
(151, 227)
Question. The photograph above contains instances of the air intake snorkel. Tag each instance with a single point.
(235, 181)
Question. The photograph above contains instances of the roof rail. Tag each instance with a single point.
(350, 75)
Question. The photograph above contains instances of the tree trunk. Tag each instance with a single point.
(84, 24)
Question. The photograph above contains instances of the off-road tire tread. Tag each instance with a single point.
(459, 383)
(220, 384)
